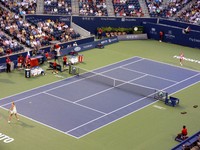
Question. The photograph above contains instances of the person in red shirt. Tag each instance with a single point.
(55, 67)
(161, 36)
(183, 135)
(8, 62)
(47, 56)
(184, 131)
(8, 51)
(64, 61)
(19, 61)
(100, 31)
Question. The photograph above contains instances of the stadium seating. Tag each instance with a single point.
(31, 35)
(191, 14)
(127, 8)
(20, 7)
(188, 143)
(58, 7)
(90, 8)
(158, 9)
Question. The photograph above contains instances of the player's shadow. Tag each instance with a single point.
(23, 124)
(6, 81)
(17, 122)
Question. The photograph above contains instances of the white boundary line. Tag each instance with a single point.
(134, 111)
(108, 89)
(59, 86)
(118, 119)
(75, 103)
(68, 78)
(146, 105)
(43, 124)
(149, 75)
(131, 104)
(50, 89)
(169, 64)
(120, 108)
(182, 81)
(108, 114)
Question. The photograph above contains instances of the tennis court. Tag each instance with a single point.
(78, 106)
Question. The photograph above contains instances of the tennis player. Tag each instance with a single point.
(181, 58)
(13, 110)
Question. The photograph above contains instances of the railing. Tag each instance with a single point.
(189, 142)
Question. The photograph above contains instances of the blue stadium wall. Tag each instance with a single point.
(152, 26)
(172, 29)
(172, 34)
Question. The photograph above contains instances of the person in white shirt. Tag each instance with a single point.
(13, 110)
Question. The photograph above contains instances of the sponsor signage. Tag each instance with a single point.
(188, 59)
(6, 139)
(90, 45)
(169, 35)
(132, 37)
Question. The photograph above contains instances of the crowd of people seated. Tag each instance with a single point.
(21, 30)
(127, 8)
(8, 46)
(93, 8)
(55, 29)
(158, 9)
(191, 14)
(21, 7)
(57, 7)
(35, 34)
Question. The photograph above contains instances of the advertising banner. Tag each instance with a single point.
(132, 37)
(172, 34)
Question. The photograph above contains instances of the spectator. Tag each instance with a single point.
(100, 31)
(8, 64)
(184, 133)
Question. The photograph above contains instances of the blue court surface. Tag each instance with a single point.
(77, 106)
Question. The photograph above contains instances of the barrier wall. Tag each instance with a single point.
(132, 37)
(179, 24)
(188, 142)
(61, 18)
(172, 29)
(82, 46)
(172, 34)
(92, 23)
(90, 45)
(79, 42)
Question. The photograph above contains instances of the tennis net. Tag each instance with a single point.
(120, 84)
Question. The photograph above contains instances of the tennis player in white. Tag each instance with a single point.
(13, 110)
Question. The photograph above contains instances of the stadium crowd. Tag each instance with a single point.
(57, 7)
(92, 8)
(20, 7)
(191, 14)
(127, 8)
(33, 33)
(158, 9)
(36, 33)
